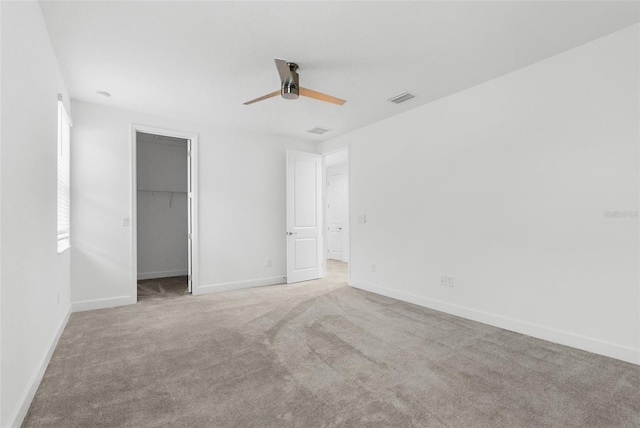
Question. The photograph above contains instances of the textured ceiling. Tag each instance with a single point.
(200, 61)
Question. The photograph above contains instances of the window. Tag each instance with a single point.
(64, 185)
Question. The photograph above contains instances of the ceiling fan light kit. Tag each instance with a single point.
(289, 92)
(290, 86)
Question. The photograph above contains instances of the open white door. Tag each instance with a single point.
(337, 201)
(304, 219)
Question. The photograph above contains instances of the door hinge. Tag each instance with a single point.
(188, 153)
(189, 236)
(189, 278)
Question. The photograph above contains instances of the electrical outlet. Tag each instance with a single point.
(362, 219)
(446, 280)
(125, 221)
(373, 268)
(268, 262)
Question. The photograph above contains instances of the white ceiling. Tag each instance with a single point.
(200, 61)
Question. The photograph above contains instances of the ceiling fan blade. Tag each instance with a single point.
(320, 96)
(264, 97)
(283, 70)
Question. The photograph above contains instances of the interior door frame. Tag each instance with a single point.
(193, 179)
(325, 224)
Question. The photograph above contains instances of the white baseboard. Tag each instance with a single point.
(18, 415)
(163, 274)
(597, 346)
(111, 302)
(238, 285)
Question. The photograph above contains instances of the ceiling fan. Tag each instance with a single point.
(290, 88)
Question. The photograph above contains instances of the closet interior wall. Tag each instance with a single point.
(162, 206)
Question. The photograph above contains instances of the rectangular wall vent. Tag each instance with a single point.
(318, 130)
(401, 98)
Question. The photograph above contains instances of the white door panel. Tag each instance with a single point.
(304, 221)
(304, 198)
(306, 253)
(337, 215)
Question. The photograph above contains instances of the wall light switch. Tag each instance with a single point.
(125, 221)
(268, 263)
(362, 219)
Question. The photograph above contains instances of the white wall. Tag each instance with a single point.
(241, 205)
(162, 208)
(35, 278)
(329, 146)
(506, 186)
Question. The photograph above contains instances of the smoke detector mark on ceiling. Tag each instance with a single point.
(401, 98)
(318, 130)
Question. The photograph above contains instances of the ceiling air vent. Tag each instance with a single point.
(401, 98)
(318, 130)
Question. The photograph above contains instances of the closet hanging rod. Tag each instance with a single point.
(162, 191)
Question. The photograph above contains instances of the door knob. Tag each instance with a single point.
(339, 228)
(292, 233)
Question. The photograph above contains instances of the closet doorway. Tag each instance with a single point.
(163, 214)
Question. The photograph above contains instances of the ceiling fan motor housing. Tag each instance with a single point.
(290, 89)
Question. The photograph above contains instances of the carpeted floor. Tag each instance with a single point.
(319, 354)
(162, 288)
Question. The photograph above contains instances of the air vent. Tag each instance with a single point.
(318, 130)
(401, 98)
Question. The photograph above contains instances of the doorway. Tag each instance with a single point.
(337, 230)
(163, 213)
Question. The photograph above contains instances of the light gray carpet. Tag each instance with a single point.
(162, 288)
(319, 354)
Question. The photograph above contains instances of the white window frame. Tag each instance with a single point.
(64, 178)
